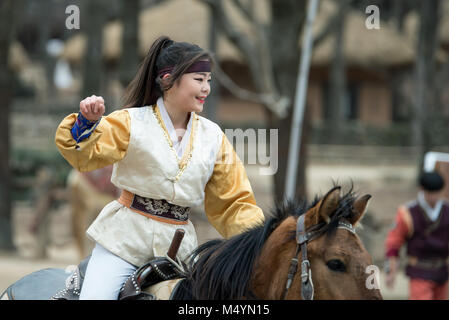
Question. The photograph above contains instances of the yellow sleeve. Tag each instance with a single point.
(106, 145)
(229, 200)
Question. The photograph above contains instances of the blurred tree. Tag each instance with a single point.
(93, 19)
(44, 29)
(273, 51)
(214, 97)
(337, 84)
(129, 15)
(130, 45)
(423, 103)
(8, 19)
(425, 93)
(273, 56)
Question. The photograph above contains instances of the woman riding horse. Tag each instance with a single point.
(300, 253)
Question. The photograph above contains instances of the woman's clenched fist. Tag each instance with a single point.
(92, 108)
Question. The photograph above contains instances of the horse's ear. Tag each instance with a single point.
(328, 204)
(360, 206)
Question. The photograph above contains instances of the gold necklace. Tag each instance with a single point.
(187, 155)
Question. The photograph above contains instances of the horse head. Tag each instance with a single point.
(337, 259)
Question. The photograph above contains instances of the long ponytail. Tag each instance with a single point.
(147, 87)
(141, 90)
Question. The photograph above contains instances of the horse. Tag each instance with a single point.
(262, 262)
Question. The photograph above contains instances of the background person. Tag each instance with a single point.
(423, 226)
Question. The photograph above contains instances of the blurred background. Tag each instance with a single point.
(377, 101)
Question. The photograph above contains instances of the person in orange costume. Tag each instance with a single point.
(423, 225)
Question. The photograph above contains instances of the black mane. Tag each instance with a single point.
(221, 269)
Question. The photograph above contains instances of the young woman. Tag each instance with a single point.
(166, 159)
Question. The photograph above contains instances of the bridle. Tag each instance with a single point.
(303, 237)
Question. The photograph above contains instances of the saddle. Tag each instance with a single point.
(156, 270)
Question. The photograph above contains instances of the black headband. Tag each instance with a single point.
(198, 66)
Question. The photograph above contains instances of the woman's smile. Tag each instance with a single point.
(201, 99)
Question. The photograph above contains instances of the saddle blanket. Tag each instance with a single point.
(163, 290)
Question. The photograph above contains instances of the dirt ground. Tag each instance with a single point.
(389, 185)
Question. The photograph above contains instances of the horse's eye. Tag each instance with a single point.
(336, 265)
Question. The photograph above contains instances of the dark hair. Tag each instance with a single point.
(431, 181)
(147, 87)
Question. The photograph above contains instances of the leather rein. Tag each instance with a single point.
(303, 237)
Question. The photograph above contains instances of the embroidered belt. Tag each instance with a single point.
(155, 209)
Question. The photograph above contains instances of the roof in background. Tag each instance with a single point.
(188, 20)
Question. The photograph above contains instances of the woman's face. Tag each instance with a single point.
(190, 93)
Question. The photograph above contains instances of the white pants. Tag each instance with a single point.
(105, 275)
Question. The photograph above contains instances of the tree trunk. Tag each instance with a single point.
(48, 60)
(210, 110)
(7, 20)
(424, 75)
(93, 19)
(288, 17)
(130, 44)
(273, 59)
(337, 94)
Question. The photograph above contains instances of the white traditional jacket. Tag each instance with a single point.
(148, 161)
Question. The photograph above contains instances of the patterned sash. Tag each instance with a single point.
(156, 209)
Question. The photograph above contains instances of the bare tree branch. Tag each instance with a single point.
(278, 105)
(257, 53)
(327, 30)
(239, 39)
(244, 10)
(264, 69)
(331, 24)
